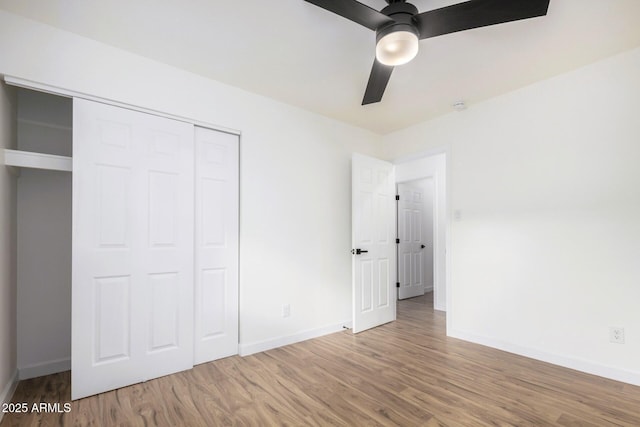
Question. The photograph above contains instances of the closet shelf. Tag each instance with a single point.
(28, 159)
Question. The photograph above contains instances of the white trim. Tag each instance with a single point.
(437, 273)
(46, 368)
(582, 365)
(55, 90)
(257, 347)
(7, 392)
(28, 159)
(448, 253)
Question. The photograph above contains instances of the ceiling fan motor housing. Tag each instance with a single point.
(402, 13)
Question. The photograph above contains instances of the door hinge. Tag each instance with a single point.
(397, 241)
(397, 197)
(397, 284)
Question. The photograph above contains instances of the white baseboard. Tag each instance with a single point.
(7, 392)
(589, 367)
(47, 368)
(256, 347)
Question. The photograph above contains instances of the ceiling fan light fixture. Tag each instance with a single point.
(397, 48)
(400, 25)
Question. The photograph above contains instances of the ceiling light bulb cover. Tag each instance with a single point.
(397, 48)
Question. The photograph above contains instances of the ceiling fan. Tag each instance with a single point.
(399, 27)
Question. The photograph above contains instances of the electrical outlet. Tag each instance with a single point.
(616, 335)
(286, 310)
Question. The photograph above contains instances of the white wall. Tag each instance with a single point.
(44, 238)
(545, 254)
(7, 248)
(295, 198)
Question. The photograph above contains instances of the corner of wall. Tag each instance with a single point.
(7, 391)
(8, 261)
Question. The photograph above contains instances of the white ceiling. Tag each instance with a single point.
(295, 52)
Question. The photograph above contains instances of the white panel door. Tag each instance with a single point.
(411, 261)
(216, 281)
(132, 272)
(374, 255)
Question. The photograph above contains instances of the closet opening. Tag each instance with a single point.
(42, 162)
(127, 266)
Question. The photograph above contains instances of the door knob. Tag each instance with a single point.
(358, 251)
(422, 246)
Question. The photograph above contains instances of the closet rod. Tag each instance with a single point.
(28, 159)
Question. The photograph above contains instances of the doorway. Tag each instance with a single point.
(430, 167)
(374, 226)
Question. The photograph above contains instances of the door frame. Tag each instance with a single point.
(411, 168)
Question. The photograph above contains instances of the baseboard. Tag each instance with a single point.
(256, 347)
(7, 392)
(47, 368)
(589, 367)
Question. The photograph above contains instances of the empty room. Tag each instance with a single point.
(320, 212)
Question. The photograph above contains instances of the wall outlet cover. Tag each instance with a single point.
(616, 335)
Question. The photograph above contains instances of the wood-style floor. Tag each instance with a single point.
(406, 373)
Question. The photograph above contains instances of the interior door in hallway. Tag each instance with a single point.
(411, 262)
(373, 242)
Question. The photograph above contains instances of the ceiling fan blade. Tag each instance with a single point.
(477, 13)
(378, 80)
(355, 11)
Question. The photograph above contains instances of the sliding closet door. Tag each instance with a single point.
(216, 308)
(132, 291)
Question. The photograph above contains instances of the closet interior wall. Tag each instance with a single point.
(44, 204)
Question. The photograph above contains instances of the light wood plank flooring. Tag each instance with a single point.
(406, 373)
